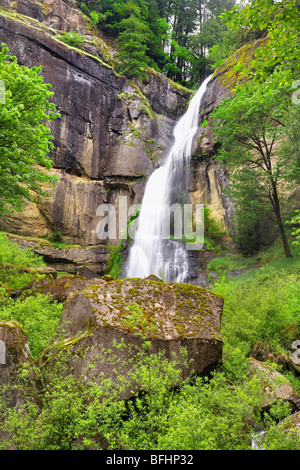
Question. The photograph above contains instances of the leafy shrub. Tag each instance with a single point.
(94, 17)
(12, 257)
(213, 230)
(73, 39)
(39, 315)
(264, 308)
(295, 222)
(115, 260)
(11, 253)
(55, 237)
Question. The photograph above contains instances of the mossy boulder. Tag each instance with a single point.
(64, 286)
(291, 426)
(129, 312)
(274, 386)
(14, 352)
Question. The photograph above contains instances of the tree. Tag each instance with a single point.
(167, 35)
(249, 127)
(133, 47)
(25, 140)
(282, 21)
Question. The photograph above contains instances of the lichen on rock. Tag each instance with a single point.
(170, 316)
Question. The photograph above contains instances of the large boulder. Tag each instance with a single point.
(14, 351)
(62, 288)
(275, 386)
(291, 427)
(132, 311)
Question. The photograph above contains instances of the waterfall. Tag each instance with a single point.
(153, 250)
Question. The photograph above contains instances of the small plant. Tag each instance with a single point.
(295, 222)
(73, 39)
(115, 260)
(55, 237)
(95, 18)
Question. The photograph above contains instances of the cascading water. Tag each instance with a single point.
(152, 252)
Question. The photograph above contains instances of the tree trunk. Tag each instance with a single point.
(286, 247)
(277, 212)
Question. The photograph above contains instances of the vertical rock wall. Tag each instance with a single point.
(111, 133)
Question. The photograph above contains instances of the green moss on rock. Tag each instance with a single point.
(228, 73)
(177, 309)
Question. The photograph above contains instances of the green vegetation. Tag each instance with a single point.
(115, 260)
(264, 308)
(64, 411)
(295, 222)
(213, 231)
(281, 22)
(258, 128)
(259, 136)
(248, 127)
(272, 256)
(10, 253)
(133, 42)
(170, 36)
(72, 39)
(39, 316)
(25, 141)
(12, 260)
(216, 413)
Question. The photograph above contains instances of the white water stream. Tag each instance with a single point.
(152, 251)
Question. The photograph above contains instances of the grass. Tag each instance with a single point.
(273, 256)
(12, 254)
(38, 314)
(40, 242)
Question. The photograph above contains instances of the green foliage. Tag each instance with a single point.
(65, 412)
(167, 38)
(282, 21)
(95, 18)
(132, 41)
(290, 146)
(211, 415)
(114, 265)
(115, 260)
(25, 140)
(248, 126)
(39, 315)
(55, 237)
(11, 253)
(264, 308)
(295, 222)
(73, 39)
(12, 258)
(213, 231)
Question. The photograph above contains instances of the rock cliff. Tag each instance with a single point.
(111, 132)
